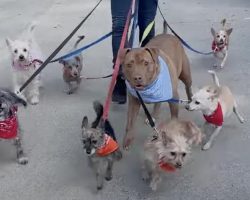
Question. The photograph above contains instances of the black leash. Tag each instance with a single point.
(47, 61)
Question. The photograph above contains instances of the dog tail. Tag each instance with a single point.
(215, 78)
(81, 37)
(98, 107)
(165, 27)
(223, 22)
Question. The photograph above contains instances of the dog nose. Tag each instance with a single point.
(137, 78)
(178, 165)
(21, 57)
(88, 151)
(75, 74)
(187, 107)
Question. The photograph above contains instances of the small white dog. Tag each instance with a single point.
(216, 103)
(220, 43)
(26, 59)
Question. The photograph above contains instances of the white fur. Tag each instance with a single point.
(25, 46)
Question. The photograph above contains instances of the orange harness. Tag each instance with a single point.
(108, 147)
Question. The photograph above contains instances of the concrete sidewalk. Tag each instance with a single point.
(57, 166)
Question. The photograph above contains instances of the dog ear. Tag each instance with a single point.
(165, 138)
(85, 122)
(154, 52)
(215, 92)
(9, 42)
(193, 133)
(213, 32)
(122, 53)
(229, 31)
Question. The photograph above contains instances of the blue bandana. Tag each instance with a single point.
(158, 91)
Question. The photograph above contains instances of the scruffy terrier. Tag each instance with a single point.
(9, 125)
(216, 102)
(72, 68)
(100, 145)
(169, 150)
(26, 59)
(220, 43)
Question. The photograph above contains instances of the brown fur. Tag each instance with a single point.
(173, 145)
(141, 67)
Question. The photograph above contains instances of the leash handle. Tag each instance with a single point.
(117, 64)
(47, 61)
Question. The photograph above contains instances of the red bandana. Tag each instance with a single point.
(166, 166)
(216, 118)
(8, 127)
(216, 48)
(108, 147)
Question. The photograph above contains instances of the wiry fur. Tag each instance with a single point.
(7, 101)
(172, 146)
(23, 50)
(93, 138)
(207, 99)
(72, 68)
(221, 39)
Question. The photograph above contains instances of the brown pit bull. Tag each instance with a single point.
(141, 68)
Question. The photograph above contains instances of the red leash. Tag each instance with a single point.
(117, 64)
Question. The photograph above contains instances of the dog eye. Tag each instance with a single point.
(173, 153)
(15, 51)
(129, 65)
(146, 63)
(70, 67)
(94, 141)
(77, 66)
(224, 36)
(24, 50)
(184, 154)
(197, 102)
(83, 141)
(217, 36)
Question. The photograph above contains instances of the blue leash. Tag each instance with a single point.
(78, 51)
(182, 41)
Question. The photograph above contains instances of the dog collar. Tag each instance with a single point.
(158, 91)
(9, 127)
(109, 146)
(166, 166)
(216, 47)
(19, 66)
(216, 118)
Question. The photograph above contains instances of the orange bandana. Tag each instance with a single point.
(166, 166)
(108, 147)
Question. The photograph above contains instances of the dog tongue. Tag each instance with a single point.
(166, 167)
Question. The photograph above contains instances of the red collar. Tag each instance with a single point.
(9, 127)
(216, 118)
(166, 166)
(216, 47)
(108, 147)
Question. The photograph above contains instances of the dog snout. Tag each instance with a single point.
(75, 74)
(21, 57)
(138, 78)
(178, 165)
(88, 151)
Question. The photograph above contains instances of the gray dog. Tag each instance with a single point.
(72, 68)
(100, 146)
(9, 125)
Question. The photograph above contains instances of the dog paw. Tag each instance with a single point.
(153, 186)
(23, 160)
(206, 146)
(34, 100)
(69, 92)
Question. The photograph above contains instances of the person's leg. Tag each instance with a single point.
(147, 12)
(119, 11)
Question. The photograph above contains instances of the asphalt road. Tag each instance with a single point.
(57, 166)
